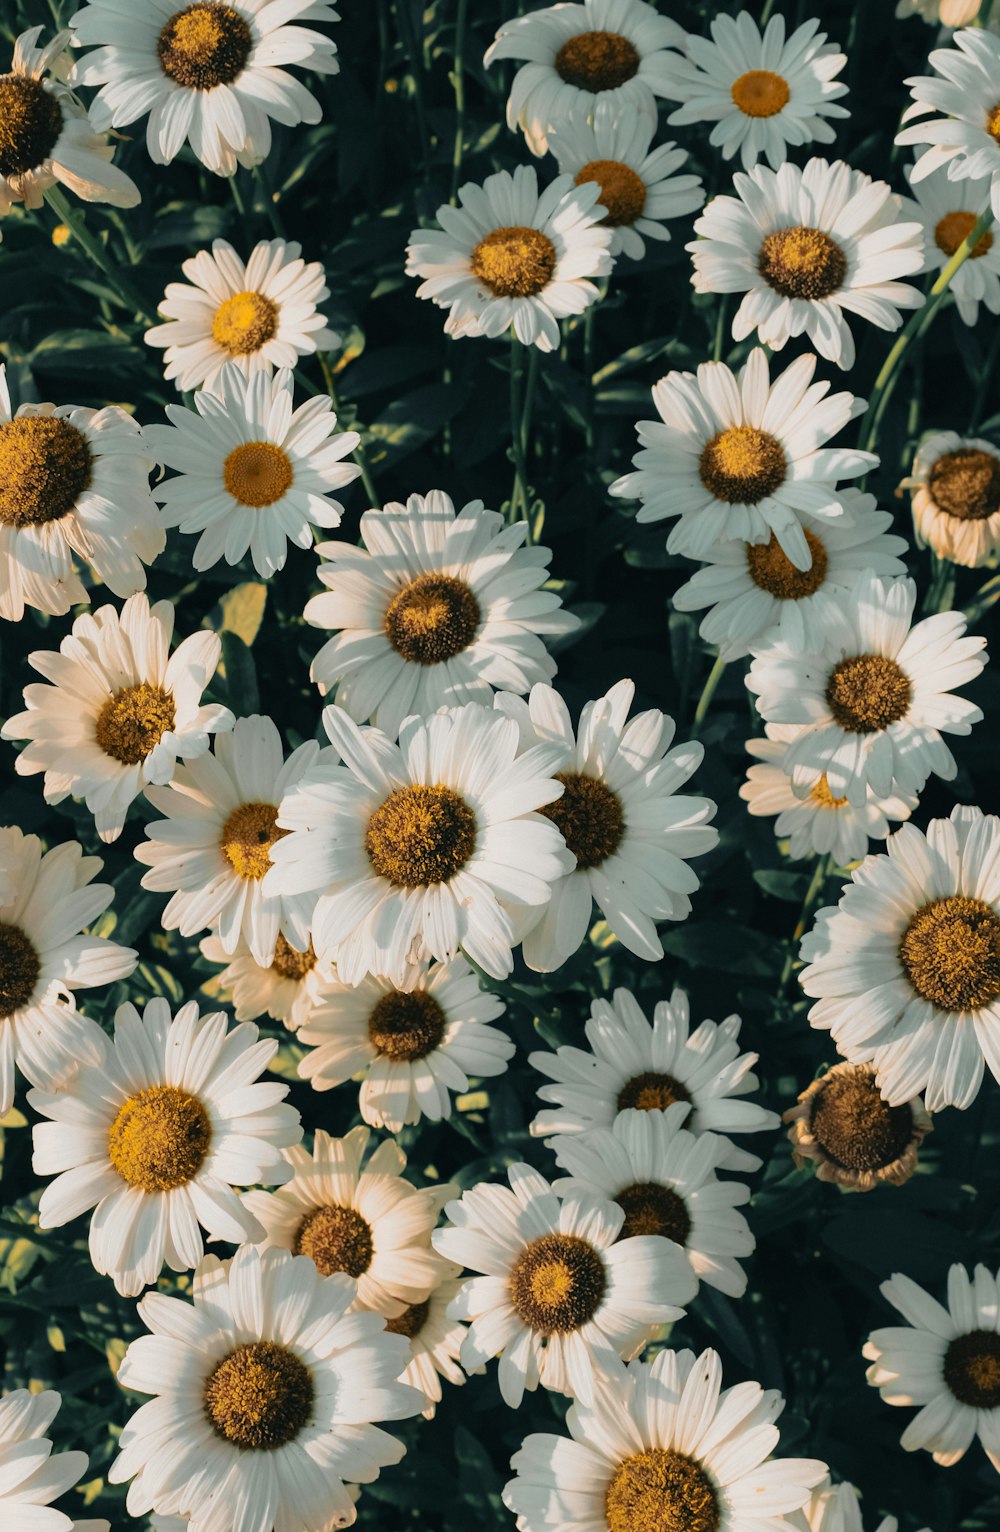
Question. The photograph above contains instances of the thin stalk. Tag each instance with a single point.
(986, 377)
(518, 495)
(359, 454)
(766, 10)
(96, 252)
(987, 597)
(707, 693)
(721, 316)
(983, 19)
(941, 591)
(415, 56)
(821, 873)
(270, 205)
(458, 84)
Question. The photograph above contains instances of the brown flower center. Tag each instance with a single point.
(204, 45)
(45, 466)
(954, 228)
(651, 1092)
(336, 1239)
(854, 1127)
(514, 262)
(588, 816)
(651, 1208)
(951, 953)
(411, 1321)
(406, 1025)
(159, 1138)
(660, 1490)
(257, 473)
(420, 836)
(760, 93)
(557, 1283)
(20, 967)
(597, 61)
(742, 465)
(244, 323)
(289, 962)
(260, 1397)
(867, 693)
(131, 723)
(820, 794)
(247, 837)
(432, 619)
(623, 191)
(966, 484)
(802, 263)
(31, 121)
(972, 1369)
(772, 570)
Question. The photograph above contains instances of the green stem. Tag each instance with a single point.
(458, 82)
(707, 693)
(270, 204)
(359, 454)
(415, 55)
(721, 315)
(986, 377)
(765, 11)
(816, 886)
(522, 402)
(983, 19)
(941, 591)
(67, 214)
(987, 597)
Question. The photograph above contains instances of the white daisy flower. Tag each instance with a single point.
(360, 1218)
(438, 608)
(756, 593)
(287, 989)
(212, 851)
(764, 92)
(843, 1125)
(435, 1339)
(155, 1136)
(837, 1508)
(873, 704)
(559, 1300)
(948, 1363)
(268, 1328)
(210, 74)
(639, 185)
(905, 970)
(663, 1179)
(806, 247)
(818, 824)
(46, 136)
(611, 52)
(663, 1443)
(415, 1045)
(31, 1474)
(45, 955)
(512, 257)
(341, 1518)
(423, 848)
(634, 1064)
(259, 316)
(955, 485)
(948, 211)
(251, 473)
(629, 831)
(74, 484)
(736, 458)
(965, 90)
(120, 709)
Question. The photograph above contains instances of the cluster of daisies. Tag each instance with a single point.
(369, 888)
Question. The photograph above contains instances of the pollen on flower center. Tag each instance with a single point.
(597, 61)
(31, 121)
(660, 1490)
(868, 692)
(336, 1239)
(514, 262)
(411, 1321)
(257, 473)
(260, 1397)
(854, 1126)
(557, 1283)
(204, 45)
(45, 466)
(972, 1369)
(432, 619)
(651, 1092)
(20, 967)
(651, 1208)
(821, 795)
(954, 228)
(159, 1138)
(966, 484)
(588, 816)
(742, 465)
(772, 570)
(406, 1024)
(132, 722)
(623, 191)
(760, 93)
(993, 122)
(289, 962)
(244, 323)
(950, 952)
(247, 837)
(802, 263)
(420, 835)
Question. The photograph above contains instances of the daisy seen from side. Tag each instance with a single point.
(837, 1508)
(31, 1474)
(955, 490)
(435, 1339)
(843, 1126)
(286, 989)
(948, 211)
(965, 138)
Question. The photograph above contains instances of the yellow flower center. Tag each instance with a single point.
(954, 228)
(411, 1321)
(289, 962)
(557, 1283)
(514, 262)
(132, 722)
(651, 1208)
(854, 1127)
(950, 952)
(623, 191)
(760, 93)
(651, 1092)
(993, 122)
(742, 465)
(432, 619)
(966, 484)
(257, 473)
(45, 466)
(406, 1025)
(802, 263)
(597, 61)
(336, 1239)
(260, 1397)
(821, 795)
(20, 967)
(31, 121)
(244, 323)
(420, 836)
(772, 570)
(660, 1490)
(972, 1369)
(205, 45)
(588, 816)
(247, 837)
(159, 1139)
(867, 693)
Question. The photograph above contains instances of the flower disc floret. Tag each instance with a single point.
(868, 692)
(742, 465)
(260, 1397)
(623, 191)
(336, 1239)
(204, 46)
(514, 262)
(133, 721)
(966, 484)
(589, 816)
(406, 1024)
(159, 1138)
(20, 968)
(557, 1283)
(760, 93)
(31, 121)
(651, 1208)
(245, 322)
(421, 835)
(972, 1369)
(45, 466)
(802, 263)
(951, 953)
(772, 570)
(597, 61)
(855, 1127)
(432, 619)
(661, 1490)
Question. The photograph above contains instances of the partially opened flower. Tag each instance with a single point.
(286, 989)
(435, 1339)
(843, 1125)
(955, 485)
(965, 137)
(948, 210)
(31, 1474)
(837, 1507)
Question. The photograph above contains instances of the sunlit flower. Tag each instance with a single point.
(948, 210)
(955, 484)
(31, 1474)
(286, 989)
(435, 1339)
(843, 1126)
(837, 1508)
(965, 90)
